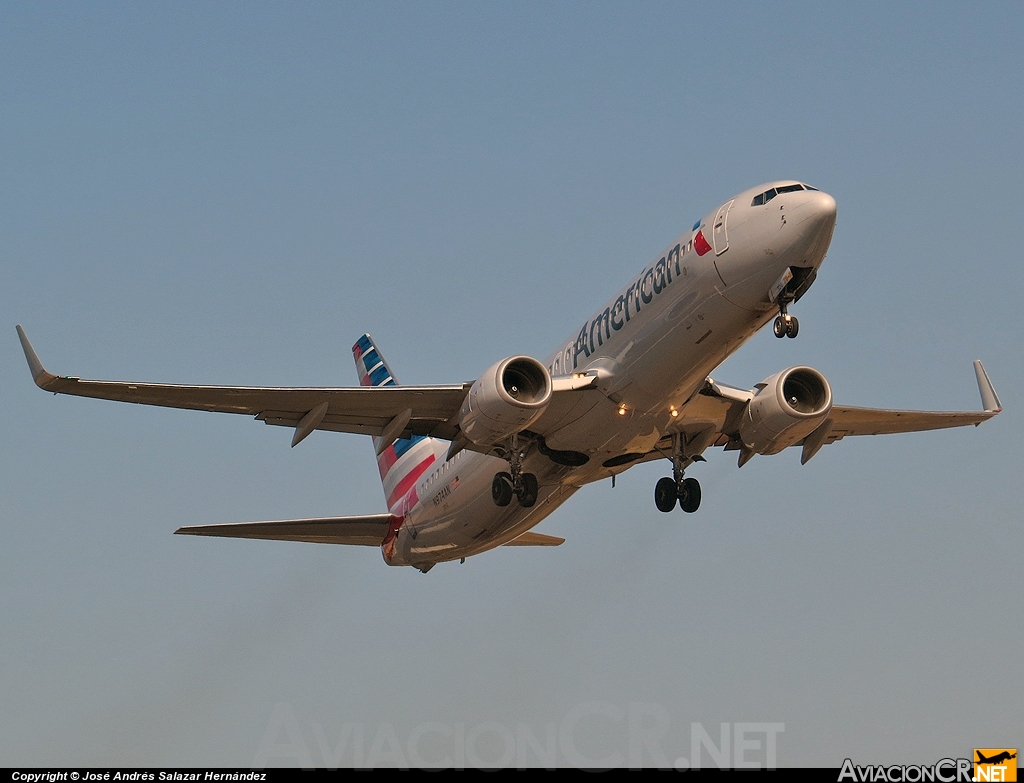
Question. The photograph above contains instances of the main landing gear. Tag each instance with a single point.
(786, 325)
(514, 483)
(684, 490)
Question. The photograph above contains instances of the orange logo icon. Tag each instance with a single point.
(998, 764)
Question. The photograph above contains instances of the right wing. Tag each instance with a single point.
(361, 531)
(365, 410)
(397, 411)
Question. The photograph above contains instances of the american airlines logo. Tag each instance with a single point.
(651, 282)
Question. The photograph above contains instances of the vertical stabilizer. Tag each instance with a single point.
(404, 461)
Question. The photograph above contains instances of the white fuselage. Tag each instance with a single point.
(652, 345)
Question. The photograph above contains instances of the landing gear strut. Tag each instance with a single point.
(786, 325)
(522, 485)
(684, 490)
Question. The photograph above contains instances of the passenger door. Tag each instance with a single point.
(720, 229)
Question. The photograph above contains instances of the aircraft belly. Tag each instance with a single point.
(523, 519)
(470, 523)
(663, 370)
(677, 363)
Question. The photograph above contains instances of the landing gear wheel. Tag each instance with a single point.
(501, 489)
(528, 491)
(689, 497)
(780, 327)
(792, 328)
(665, 494)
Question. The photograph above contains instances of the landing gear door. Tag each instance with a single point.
(720, 229)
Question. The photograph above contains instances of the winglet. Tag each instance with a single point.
(39, 375)
(989, 398)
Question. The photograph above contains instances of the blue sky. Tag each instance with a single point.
(233, 193)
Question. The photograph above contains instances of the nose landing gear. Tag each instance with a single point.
(522, 485)
(786, 325)
(684, 490)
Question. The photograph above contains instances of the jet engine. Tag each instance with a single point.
(506, 399)
(787, 407)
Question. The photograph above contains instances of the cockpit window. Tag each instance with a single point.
(809, 187)
(768, 195)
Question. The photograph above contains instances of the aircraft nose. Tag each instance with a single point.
(814, 220)
(819, 210)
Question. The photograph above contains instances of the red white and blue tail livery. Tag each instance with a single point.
(403, 461)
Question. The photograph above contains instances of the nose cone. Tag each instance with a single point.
(791, 229)
(818, 210)
(814, 219)
(818, 213)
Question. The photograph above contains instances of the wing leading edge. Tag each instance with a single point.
(712, 418)
(391, 411)
(361, 410)
(845, 420)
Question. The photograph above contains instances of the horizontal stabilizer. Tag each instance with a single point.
(535, 539)
(357, 531)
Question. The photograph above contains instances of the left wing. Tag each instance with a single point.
(712, 418)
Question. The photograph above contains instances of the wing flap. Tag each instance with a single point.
(355, 531)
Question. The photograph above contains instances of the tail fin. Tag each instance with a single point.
(403, 462)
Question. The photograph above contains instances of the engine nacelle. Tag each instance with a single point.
(506, 399)
(789, 406)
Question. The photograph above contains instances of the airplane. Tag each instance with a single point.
(632, 385)
(996, 759)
